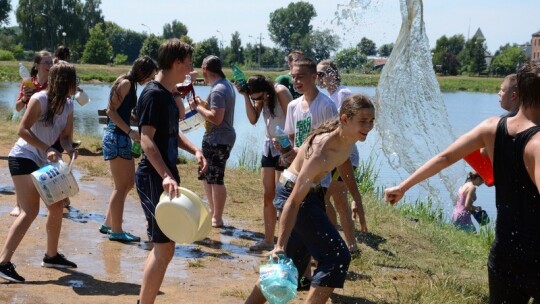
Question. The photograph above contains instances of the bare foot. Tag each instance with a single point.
(16, 211)
(217, 224)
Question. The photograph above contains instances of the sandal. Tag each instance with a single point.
(105, 229)
(262, 246)
(124, 237)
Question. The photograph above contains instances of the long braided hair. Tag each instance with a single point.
(351, 105)
(62, 83)
(259, 83)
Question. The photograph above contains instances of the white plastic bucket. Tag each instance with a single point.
(55, 182)
(82, 98)
(192, 121)
(183, 219)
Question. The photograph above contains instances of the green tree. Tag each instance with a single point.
(187, 39)
(97, 50)
(175, 29)
(91, 15)
(288, 26)
(236, 52)
(205, 48)
(445, 54)
(507, 59)
(350, 59)
(5, 8)
(323, 44)
(43, 22)
(473, 57)
(124, 41)
(367, 47)
(150, 46)
(385, 50)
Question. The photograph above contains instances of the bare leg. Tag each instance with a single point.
(219, 196)
(345, 214)
(269, 177)
(154, 271)
(319, 295)
(256, 296)
(54, 225)
(209, 197)
(28, 200)
(123, 172)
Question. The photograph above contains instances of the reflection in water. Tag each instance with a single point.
(408, 98)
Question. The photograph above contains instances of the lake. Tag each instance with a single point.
(465, 110)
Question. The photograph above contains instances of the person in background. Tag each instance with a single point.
(286, 79)
(39, 76)
(463, 208)
(117, 141)
(512, 144)
(304, 227)
(329, 78)
(49, 115)
(62, 53)
(157, 172)
(508, 96)
(219, 137)
(272, 100)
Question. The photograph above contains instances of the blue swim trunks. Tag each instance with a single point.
(116, 145)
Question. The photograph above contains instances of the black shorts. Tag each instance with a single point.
(150, 188)
(21, 166)
(216, 157)
(271, 162)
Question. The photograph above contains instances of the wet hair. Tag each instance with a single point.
(528, 83)
(62, 83)
(308, 63)
(61, 53)
(171, 50)
(37, 60)
(332, 67)
(472, 176)
(351, 105)
(259, 83)
(141, 69)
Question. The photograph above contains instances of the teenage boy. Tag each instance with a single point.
(157, 172)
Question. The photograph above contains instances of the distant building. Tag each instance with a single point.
(535, 48)
(527, 48)
(487, 55)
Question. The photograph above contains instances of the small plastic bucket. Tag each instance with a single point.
(184, 219)
(482, 165)
(55, 182)
(82, 98)
(192, 121)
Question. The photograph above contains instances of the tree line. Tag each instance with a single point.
(46, 24)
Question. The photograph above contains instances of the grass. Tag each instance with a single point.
(95, 73)
(410, 255)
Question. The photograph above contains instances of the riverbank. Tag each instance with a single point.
(95, 73)
(408, 256)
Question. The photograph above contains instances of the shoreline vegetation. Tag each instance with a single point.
(410, 255)
(94, 73)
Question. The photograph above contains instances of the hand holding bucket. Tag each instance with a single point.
(55, 182)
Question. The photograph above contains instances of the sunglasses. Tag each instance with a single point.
(260, 97)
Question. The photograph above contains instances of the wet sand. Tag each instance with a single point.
(217, 270)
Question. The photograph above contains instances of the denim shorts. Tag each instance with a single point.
(216, 158)
(21, 166)
(115, 145)
(150, 188)
(315, 236)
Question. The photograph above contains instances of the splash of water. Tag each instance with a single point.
(411, 116)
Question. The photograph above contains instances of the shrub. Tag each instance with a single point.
(120, 59)
(6, 56)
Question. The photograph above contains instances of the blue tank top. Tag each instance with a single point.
(129, 102)
(515, 253)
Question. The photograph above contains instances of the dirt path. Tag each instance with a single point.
(217, 270)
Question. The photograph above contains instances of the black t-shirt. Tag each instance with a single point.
(156, 107)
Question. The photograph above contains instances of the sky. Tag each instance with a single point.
(501, 21)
